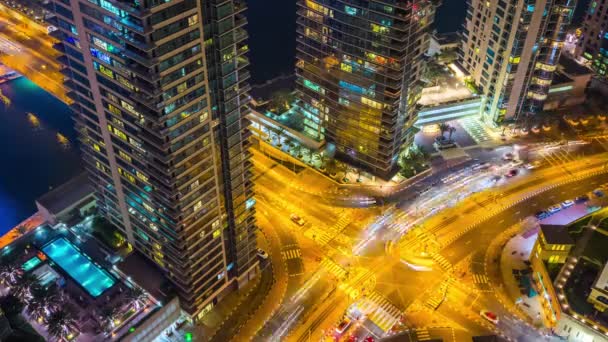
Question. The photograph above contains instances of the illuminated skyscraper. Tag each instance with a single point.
(358, 67)
(593, 42)
(159, 104)
(511, 50)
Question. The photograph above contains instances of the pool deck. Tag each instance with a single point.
(31, 223)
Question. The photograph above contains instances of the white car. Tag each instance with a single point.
(262, 254)
(567, 203)
(490, 316)
(554, 209)
(297, 219)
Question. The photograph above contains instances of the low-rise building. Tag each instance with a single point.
(599, 292)
(553, 244)
(68, 202)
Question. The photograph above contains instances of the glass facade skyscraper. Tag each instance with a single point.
(358, 65)
(511, 50)
(159, 105)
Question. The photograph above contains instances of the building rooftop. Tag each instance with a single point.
(556, 234)
(67, 194)
(602, 280)
(447, 38)
(571, 67)
(145, 274)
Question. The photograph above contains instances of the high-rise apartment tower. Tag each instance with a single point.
(511, 50)
(358, 67)
(159, 104)
(593, 42)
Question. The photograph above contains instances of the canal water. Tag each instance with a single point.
(38, 148)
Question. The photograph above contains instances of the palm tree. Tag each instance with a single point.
(21, 230)
(109, 315)
(24, 284)
(9, 271)
(61, 323)
(11, 304)
(44, 301)
(443, 127)
(137, 296)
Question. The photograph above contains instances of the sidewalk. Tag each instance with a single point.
(513, 257)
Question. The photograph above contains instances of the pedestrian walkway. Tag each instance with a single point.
(442, 262)
(343, 221)
(333, 268)
(423, 335)
(475, 129)
(480, 279)
(291, 254)
(557, 156)
(437, 297)
(319, 236)
(380, 311)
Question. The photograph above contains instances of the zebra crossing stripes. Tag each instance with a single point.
(333, 268)
(480, 279)
(442, 261)
(423, 335)
(380, 311)
(434, 301)
(291, 254)
(342, 222)
(319, 236)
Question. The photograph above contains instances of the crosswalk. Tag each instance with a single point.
(437, 297)
(423, 335)
(319, 236)
(442, 262)
(342, 222)
(480, 279)
(557, 156)
(291, 254)
(475, 129)
(333, 268)
(380, 311)
(603, 141)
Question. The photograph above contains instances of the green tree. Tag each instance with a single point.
(44, 301)
(137, 296)
(11, 304)
(24, 284)
(280, 101)
(9, 270)
(443, 127)
(61, 323)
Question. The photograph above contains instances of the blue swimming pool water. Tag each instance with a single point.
(31, 264)
(79, 266)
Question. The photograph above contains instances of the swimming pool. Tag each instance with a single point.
(79, 266)
(31, 264)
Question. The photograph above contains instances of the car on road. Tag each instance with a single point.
(567, 203)
(343, 326)
(598, 193)
(533, 165)
(297, 220)
(508, 156)
(511, 173)
(490, 316)
(541, 215)
(262, 254)
(581, 199)
(553, 209)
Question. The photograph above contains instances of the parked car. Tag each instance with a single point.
(554, 209)
(598, 193)
(581, 199)
(490, 316)
(343, 326)
(567, 203)
(297, 220)
(262, 254)
(541, 215)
